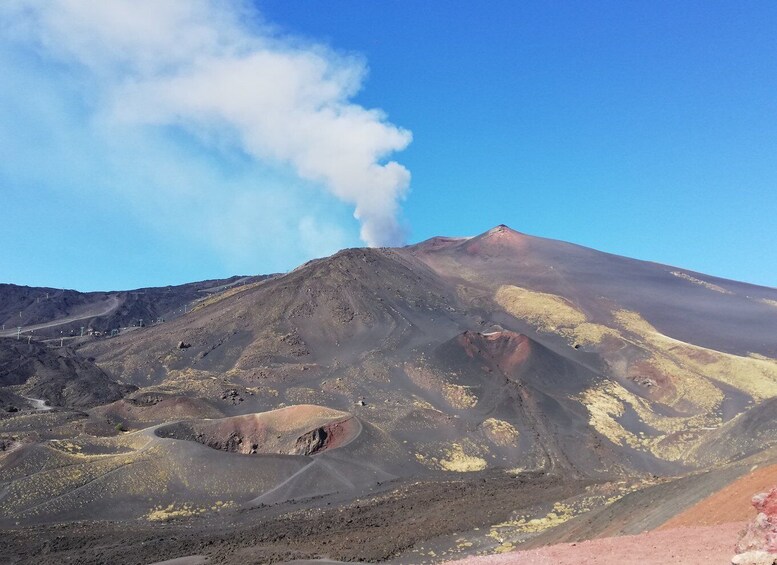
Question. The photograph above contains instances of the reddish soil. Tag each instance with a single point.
(730, 504)
(303, 429)
(507, 350)
(704, 545)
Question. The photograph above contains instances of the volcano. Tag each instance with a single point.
(462, 395)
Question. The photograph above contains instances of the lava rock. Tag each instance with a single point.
(758, 545)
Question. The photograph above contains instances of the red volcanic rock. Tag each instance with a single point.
(504, 349)
(766, 502)
(758, 545)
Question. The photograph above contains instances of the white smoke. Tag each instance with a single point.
(216, 71)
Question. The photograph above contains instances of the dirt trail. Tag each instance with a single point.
(100, 310)
(38, 404)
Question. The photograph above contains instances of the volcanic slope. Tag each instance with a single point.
(378, 333)
(660, 355)
(682, 352)
(461, 367)
(59, 376)
(641, 360)
(54, 312)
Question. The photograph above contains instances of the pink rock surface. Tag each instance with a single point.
(766, 502)
(761, 533)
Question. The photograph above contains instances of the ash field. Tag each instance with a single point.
(454, 399)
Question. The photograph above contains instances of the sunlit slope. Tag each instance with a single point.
(715, 313)
(681, 353)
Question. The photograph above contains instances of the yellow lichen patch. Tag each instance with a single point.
(547, 312)
(603, 409)
(756, 377)
(552, 313)
(607, 402)
(666, 424)
(634, 322)
(172, 511)
(705, 284)
(544, 518)
(589, 333)
(453, 457)
(500, 432)
(456, 396)
(423, 404)
(458, 461)
(560, 513)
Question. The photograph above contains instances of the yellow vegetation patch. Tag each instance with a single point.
(607, 401)
(500, 432)
(603, 409)
(514, 531)
(590, 333)
(423, 404)
(456, 396)
(453, 457)
(552, 313)
(688, 375)
(547, 312)
(458, 461)
(172, 511)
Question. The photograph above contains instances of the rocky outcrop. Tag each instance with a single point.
(758, 545)
(311, 442)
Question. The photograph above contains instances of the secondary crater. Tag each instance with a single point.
(295, 430)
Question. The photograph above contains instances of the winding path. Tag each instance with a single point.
(99, 310)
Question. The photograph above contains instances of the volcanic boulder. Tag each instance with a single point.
(758, 545)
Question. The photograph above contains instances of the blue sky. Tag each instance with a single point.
(643, 129)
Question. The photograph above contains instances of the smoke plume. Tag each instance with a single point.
(215, 71)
